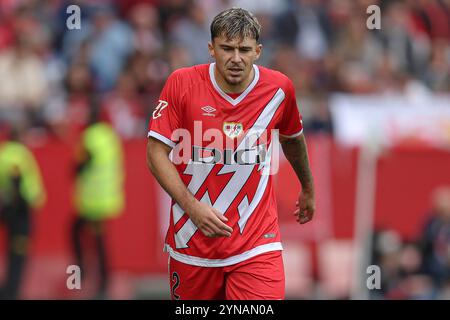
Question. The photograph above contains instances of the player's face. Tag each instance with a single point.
(234, 59)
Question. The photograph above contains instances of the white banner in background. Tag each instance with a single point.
(391, 120)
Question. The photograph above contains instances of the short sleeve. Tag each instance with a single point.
(291, 124)
(166, 117)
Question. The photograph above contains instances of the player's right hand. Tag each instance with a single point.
(209, 220)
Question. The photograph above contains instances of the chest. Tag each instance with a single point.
(205, 109)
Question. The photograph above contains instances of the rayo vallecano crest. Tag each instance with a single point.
(233, 129)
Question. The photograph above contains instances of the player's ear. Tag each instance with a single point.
(258, 50)
(211, 49)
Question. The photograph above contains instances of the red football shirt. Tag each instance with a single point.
(223, 152)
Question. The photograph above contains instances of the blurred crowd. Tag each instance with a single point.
(119, 59)
(417, 269)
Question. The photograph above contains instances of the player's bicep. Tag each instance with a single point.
(157, 151)
(156, 146)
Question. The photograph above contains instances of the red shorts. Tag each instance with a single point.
(258, 278)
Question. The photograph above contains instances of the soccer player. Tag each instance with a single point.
(218, 120)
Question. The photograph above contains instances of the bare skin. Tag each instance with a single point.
(297, 155)
(234, 62)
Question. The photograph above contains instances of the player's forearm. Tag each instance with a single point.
(166, 174)
(296, 152)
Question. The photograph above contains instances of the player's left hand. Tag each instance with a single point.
(305, 207)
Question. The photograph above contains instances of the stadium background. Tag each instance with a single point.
(377, 182)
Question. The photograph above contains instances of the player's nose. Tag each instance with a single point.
(236, 56)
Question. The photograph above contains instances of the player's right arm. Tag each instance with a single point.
(210, 221)
(166, 119)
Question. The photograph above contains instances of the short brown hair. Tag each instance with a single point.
(235, 23)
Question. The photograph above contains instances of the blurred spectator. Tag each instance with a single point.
(148, 38)
(71, 41)
(21, 192)
(99, 194)
(178, 57)
(170, 11)
(124, 110)
(114, 37)
(436, 239)
(400, 264)
(411, 283)
(69, 115)
(102, 33)
(212, 7)
(437, 76)
(149, 73)
(192, 34)
(386, 254)
(305, 26)
(398, 39)
(358, 52)
(23, 89)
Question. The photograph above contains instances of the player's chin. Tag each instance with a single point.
(234, 80)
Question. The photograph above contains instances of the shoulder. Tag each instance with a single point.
(181, 81)
(276, 78)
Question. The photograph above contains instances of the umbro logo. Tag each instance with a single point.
(209, 111)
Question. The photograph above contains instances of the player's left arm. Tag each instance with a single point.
(296, 152)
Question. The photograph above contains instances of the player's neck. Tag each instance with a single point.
(239, 88)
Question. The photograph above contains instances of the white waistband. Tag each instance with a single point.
(203, 262)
